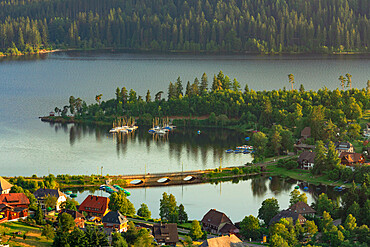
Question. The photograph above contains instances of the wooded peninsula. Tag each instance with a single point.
(332, 115)
(286, 26)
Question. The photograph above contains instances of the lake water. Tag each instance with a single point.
(32, 86)
(235, 199)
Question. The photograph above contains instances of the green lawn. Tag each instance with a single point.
(33, 235)
(186, 225)
(300, 174)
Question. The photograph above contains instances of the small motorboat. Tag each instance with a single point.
(229, 151)
(246, 152)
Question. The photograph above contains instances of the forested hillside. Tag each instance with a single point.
(192, 25)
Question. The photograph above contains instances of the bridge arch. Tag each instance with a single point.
(136, 182)
(164, 180)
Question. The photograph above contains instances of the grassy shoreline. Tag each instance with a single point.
(303, 175)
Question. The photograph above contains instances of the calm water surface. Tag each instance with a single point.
(235, 199)
(32, 86)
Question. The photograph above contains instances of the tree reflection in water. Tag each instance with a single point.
(178, 142)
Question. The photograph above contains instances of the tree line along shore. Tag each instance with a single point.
(286, 26)
(278, 115)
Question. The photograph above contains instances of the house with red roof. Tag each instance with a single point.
(351, 159)
(95, 206)
(13, 206)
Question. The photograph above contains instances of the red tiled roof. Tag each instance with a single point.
(352, 158)
(14, 199)
(95, 202)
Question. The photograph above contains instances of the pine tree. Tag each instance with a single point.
(183, 216)
(204, 84)
(320, 158)
(179, 88)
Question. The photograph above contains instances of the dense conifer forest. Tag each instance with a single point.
(321, 26)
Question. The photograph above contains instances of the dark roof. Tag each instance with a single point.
(306, 131)
(340, 145)
(4, 185)
(75, 214)
(229, 228)
(287, 214)
(114, 217)
(302, 208)
(14, 199)
(215, 218)
(224, 241)
(308, 156)
(42, 193)
(96, 202)
(166, 233)
(352, 157)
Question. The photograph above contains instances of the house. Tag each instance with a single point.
(5, 186)
(285, 214)
(341, 147)
(13, 206)
(306, 160)
(218, 223)
(306, 133)
(10, 213)
(224, 241)
(42, 193)
(166, 234)
(302, 208)
(77, 217)
(95, 206)
(115, 221)
(351, 159)
(15, 200)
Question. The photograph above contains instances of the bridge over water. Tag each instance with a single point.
(162, 179)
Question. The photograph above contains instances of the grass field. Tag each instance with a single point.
(33, 235)
(303, 175)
